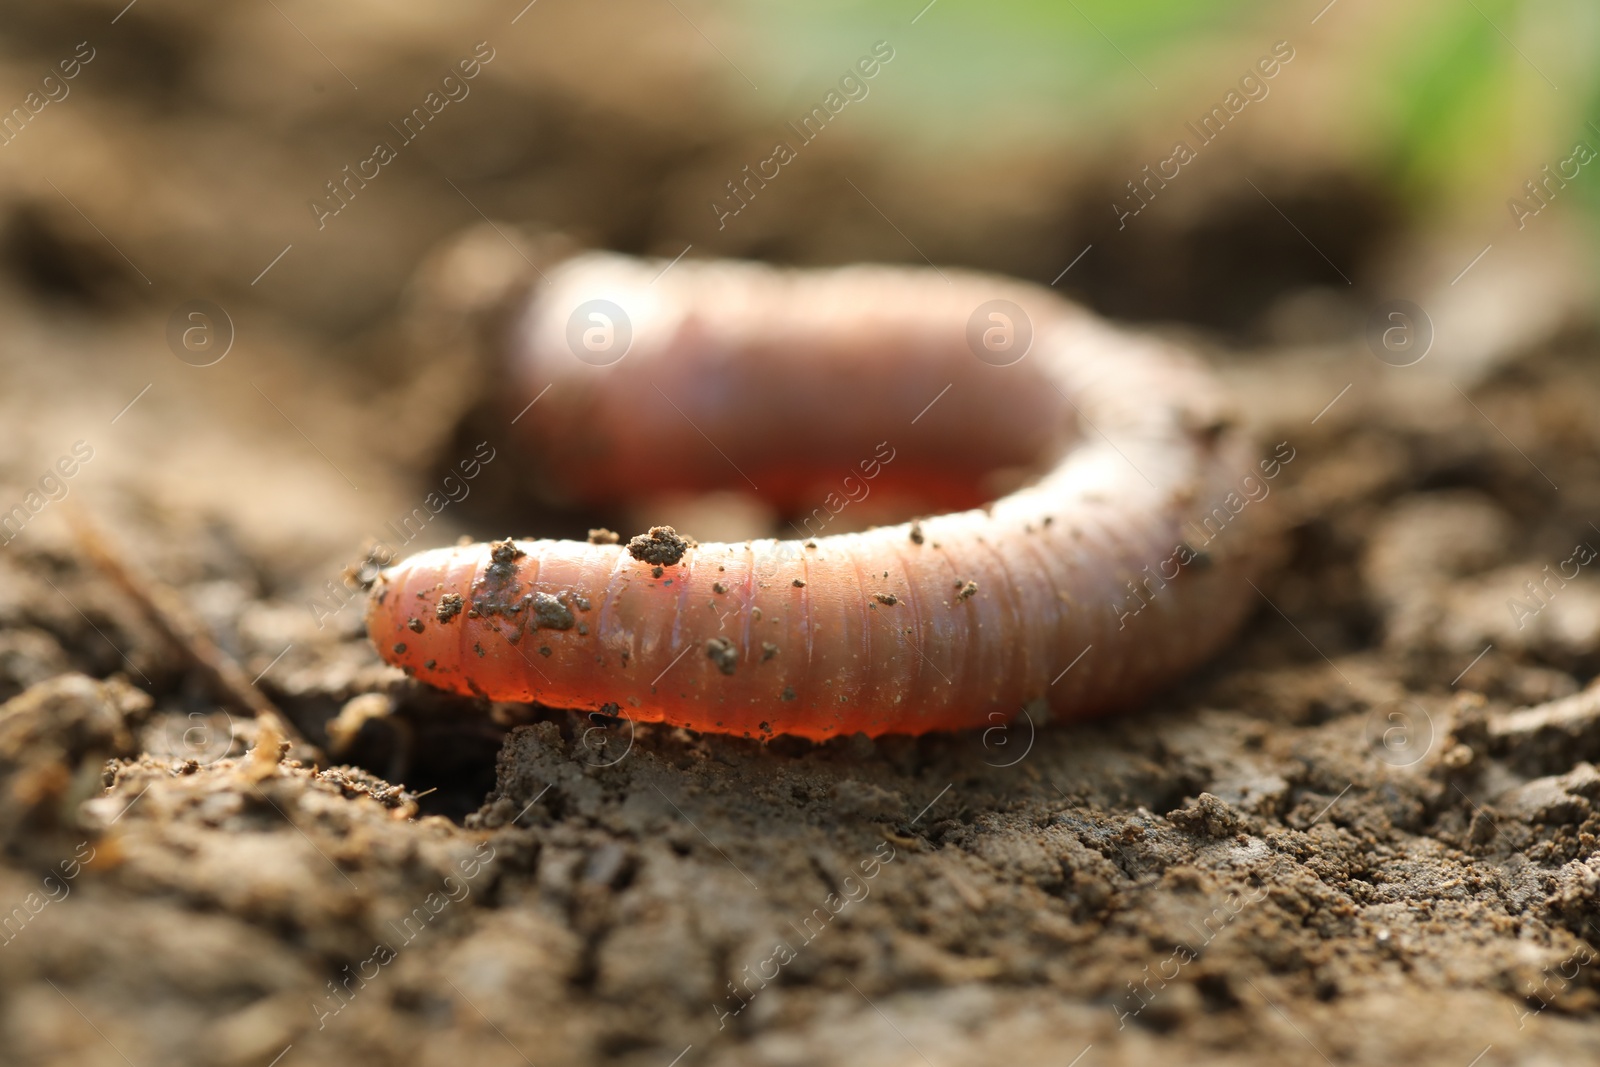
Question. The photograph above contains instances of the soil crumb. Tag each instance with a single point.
(551, 614)
(662, 546)
(449, 606)
(723, 653)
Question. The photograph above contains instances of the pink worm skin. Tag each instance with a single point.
(1101, 565)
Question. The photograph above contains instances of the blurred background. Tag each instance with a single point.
(998, 136)
(199, 152)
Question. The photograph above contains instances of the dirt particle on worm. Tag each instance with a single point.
(544, 650)
(718, 587)
(916, 533)
(722, 652)
(662, 546)
(400, 647)
(968, 590)
(415, 626)
(603, 536)
(799, 583)
(449, 607)
(504, 553)
(550, 613)
(888, 599)
(787, 694)
(657, 571)
(768, 650)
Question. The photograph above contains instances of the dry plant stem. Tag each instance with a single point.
(171, 617)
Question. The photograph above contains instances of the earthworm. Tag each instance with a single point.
(1125, 563)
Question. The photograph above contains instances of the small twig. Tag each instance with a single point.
(168, 613)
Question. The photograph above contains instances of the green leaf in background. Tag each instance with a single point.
(1450, 100)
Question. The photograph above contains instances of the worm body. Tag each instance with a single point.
(1122, 562)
